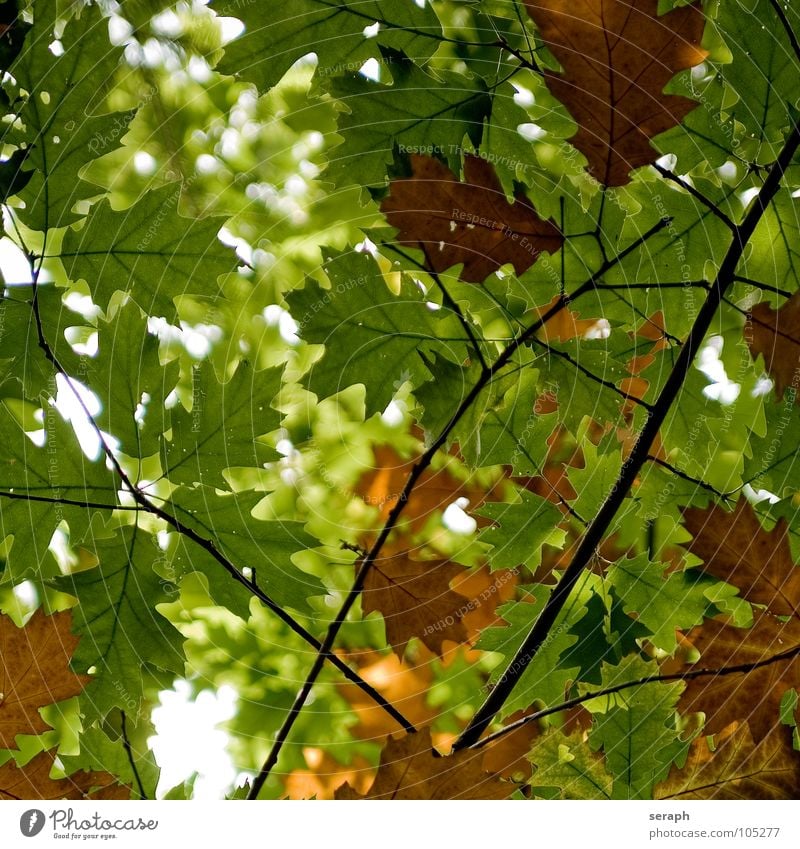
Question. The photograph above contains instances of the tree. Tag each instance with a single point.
(438, 361)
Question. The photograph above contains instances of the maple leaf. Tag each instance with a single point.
(617, 57)
(736, 548)
(469, 223)
(737, 769)
(754, 696)
(33, 781)
(410, 769)
(35, 672)
(775, 334)
(508, 755)
(415, 599)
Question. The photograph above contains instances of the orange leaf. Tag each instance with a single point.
(433, 492)
(33, 781)
(410, 769)
(35, 672)
(776, 335)
(405, 686)
(508, 755)
(325, 775)
(752, 696)
(416, 600)
(737, 769)
(471, 222)
(735, 548)
(617, 57)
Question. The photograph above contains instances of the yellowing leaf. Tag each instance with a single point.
(35, 672)
(737, 769)
(410, 769)
(469, 223)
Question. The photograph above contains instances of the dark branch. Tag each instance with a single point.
(129, 752)
(638, 456)
(697, 195)
(690, 675)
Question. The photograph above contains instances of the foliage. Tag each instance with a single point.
(427, 373)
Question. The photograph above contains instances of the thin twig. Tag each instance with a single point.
(416, 472)
(723, 496)
(697, 195)
(638, 456)
(690, 675)
(129, 752)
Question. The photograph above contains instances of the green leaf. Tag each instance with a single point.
(118, 623)
(371, 336)
(418, 113)
(552, 671)
(637, 729)
(222, 429)
(275, 38)
(41, 487)
(264, 547)
(64, 128)
(519, 530)
(566, 768)
(660, 604)
(149, 250)
(127, 368)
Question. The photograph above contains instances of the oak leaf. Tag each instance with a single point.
(469, 222)
(35, 672)
(775, 334)
(325, 775)
(737, 769)
(617, 56)
(404, 685)
(415, 599)
(754, 696)
(735, 547)
(435, 489)
(410, 769)
(33, 781)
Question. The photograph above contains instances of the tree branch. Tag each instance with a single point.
(207, 544)
(690, 675)
(697, 195)
(416, 472)
(638, 456)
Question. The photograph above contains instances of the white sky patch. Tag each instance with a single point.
(144, 164)
(456, 520)
(531, 132)
(372, 30)
(747, 195)
(13, 265)
(392, 415)
(754, 496)
(601, 329)
(275, 315)
(180, 723)
(524, 96)
(722, 388)
(230, 28)
(371, 70)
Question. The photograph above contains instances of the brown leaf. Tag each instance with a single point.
(409, 769)
(468, 222)
(735, 548)
(775, 334)
(435, 489)
(486, 590)
(753, 696)
(508, 755)
(416, 601)
(617, 56)
(33, 781)
(737, 769)
(35, 672)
